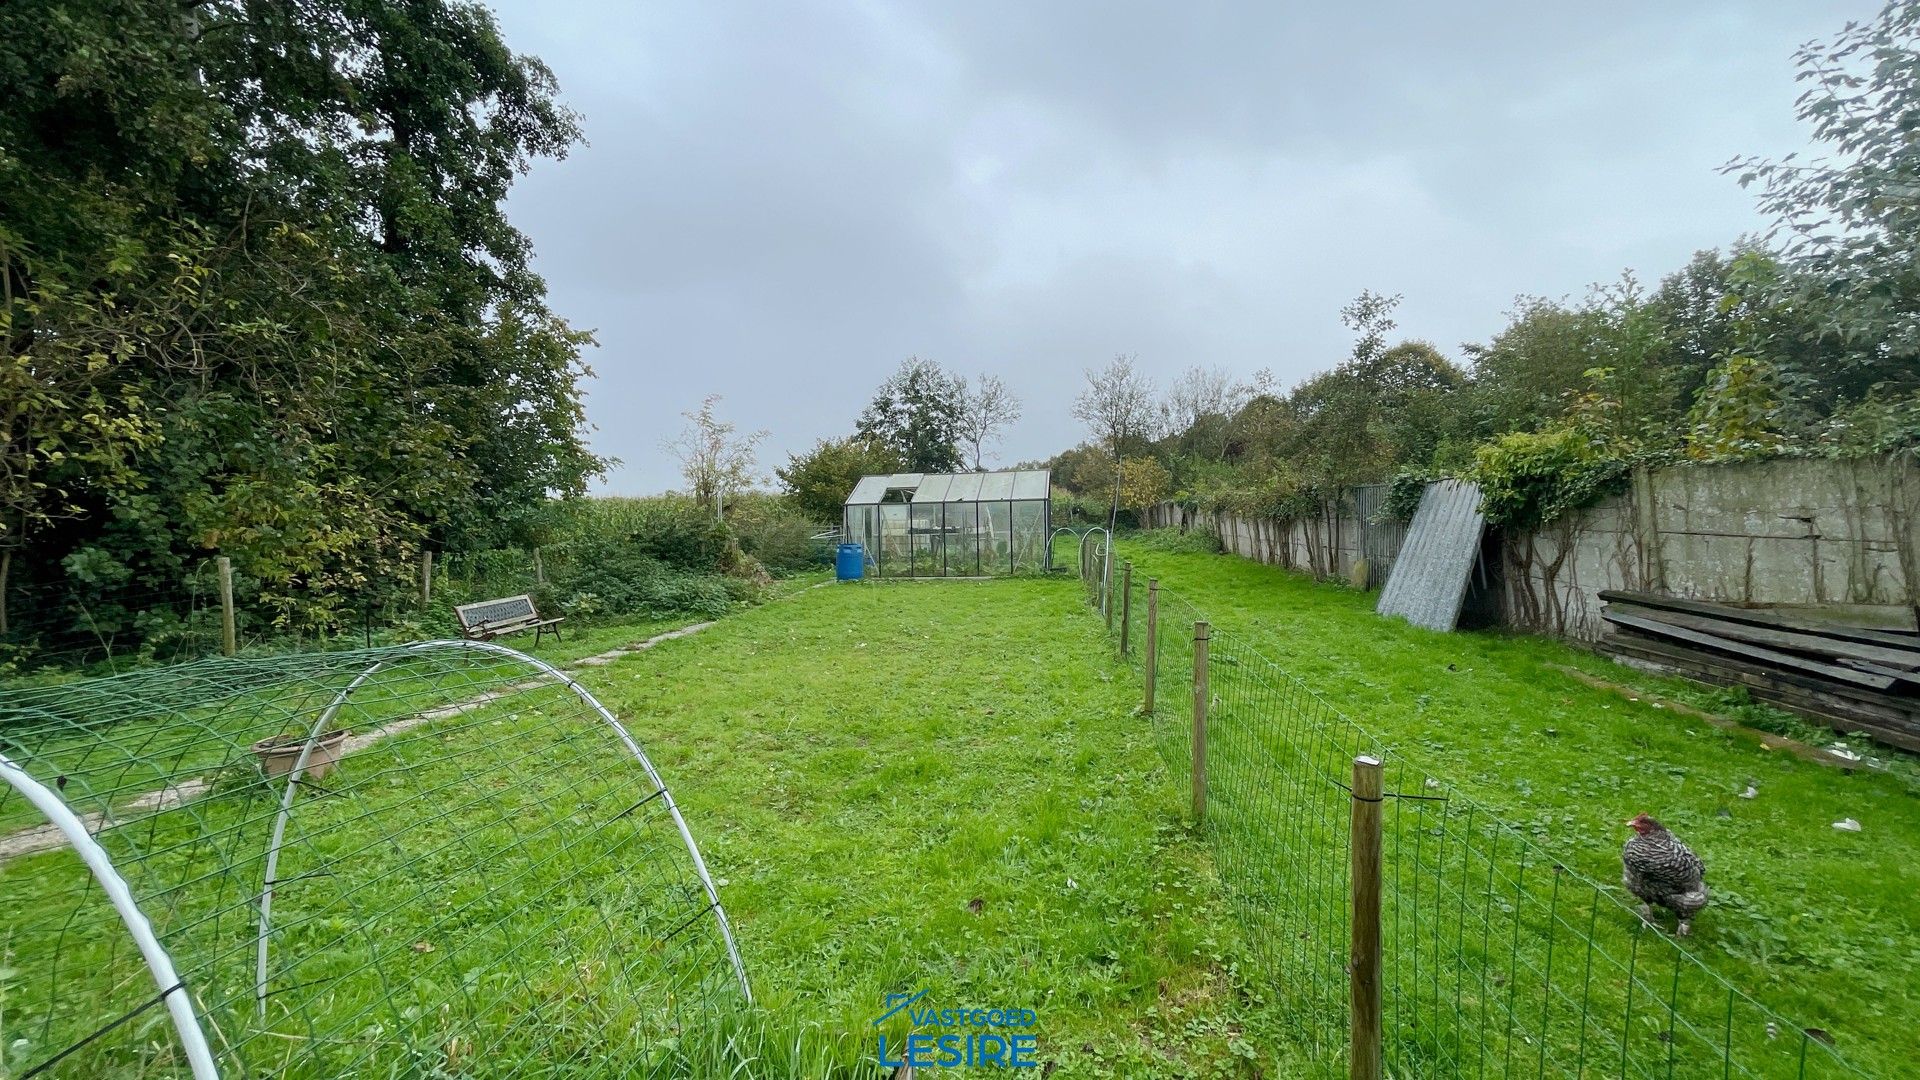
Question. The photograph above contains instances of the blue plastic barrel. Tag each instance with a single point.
(850, 563)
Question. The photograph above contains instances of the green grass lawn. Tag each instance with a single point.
(944, 786)
(1816, 923)
(941, 786)
(936, 786)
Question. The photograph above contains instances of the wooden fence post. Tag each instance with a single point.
(229, 641)
(1126, 607)
(1201, 635)
(1365, 1054)
(1152, 657)
(539, 572)
(426, 578)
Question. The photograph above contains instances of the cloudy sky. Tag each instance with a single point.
(781, 201)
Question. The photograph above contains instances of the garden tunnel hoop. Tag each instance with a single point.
(186, 1025)
(179, 986)
(322, 724)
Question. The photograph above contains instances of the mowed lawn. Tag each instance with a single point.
(943, 786)
(1819, 924)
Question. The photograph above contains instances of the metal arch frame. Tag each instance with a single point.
(193, 1039)
(1105, 554)
(1053, 535)
(544, 668)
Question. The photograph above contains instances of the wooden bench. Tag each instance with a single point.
(490, 619)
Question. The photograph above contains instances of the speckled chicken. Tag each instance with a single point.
(1659, 869)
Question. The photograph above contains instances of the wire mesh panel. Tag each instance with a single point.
(1498, 958)
(433, 860)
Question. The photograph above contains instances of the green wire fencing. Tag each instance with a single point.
(445, 859)
(1497, 956)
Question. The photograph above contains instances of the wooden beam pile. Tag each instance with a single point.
(1854, 677)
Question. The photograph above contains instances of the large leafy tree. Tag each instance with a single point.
(917, 413)
(258, 295)
(1850, 223)
(820, 479)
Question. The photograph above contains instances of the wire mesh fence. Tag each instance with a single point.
(445, 859)
(1498, 956)
(80, 619)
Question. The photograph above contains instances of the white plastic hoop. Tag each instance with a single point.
(173, 991)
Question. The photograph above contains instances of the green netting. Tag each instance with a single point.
(488, 879)
(1499, 959)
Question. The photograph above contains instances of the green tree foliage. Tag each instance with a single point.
(1850, 223)
(259, 297)
(917, 413)
(715, 459)
(819, 480)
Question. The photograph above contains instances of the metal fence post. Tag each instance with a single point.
(1152, 657)
(1106, 590)
(1201, 635)
(1126, 607)
(229, 640)
(1365, 1054)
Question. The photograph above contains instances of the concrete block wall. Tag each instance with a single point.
(1326, 545)
(1802, 532)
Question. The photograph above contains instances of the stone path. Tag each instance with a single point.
(40, 838)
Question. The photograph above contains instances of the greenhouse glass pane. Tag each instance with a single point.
(1030, 485)
(893, 540)
(963, 539)
(966, 488)
(926, 539)
(996, 539)
(933, 489)
(1028, 540)
(996, 486)
(868, 490)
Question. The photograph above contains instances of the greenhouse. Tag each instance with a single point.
(952, 525)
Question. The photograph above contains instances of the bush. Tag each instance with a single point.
(1404, 493)
(1527, 479)
(773, 531)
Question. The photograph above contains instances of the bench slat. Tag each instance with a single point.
(488, 619)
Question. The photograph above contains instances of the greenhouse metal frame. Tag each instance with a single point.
(915, 525)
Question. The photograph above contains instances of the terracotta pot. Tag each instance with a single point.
(278, 755)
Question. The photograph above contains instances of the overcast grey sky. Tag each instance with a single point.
(782, 201)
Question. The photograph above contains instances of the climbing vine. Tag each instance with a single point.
(1528, 479)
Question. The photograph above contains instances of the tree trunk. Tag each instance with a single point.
(6, 566)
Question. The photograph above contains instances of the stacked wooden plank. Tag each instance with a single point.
(1822, 665)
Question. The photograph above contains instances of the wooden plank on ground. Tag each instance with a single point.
(1884, 631)
(1770, 656)
(1857, 700)
(1791, 640)
(1898, 618)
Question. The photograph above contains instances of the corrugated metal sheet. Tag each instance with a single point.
(1430, 575)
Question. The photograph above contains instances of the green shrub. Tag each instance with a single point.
(1528, 479)
(1404, 493)
(773, 531)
